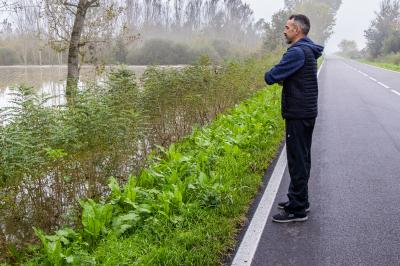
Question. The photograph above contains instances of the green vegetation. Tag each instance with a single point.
(320, 60)
(167, 52)
(382, 36)
(395, 67)
(383, 39)
(392, 58)
(184, 208)
(38, 140)
(161, 52)
(51, 156)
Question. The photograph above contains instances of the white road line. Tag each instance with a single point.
(383, 85)
(373, 79)
(396, 92)
(248, 246)
(365, 74)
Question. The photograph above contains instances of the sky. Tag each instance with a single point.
(353, 17)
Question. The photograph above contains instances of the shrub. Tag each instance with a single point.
(392, 58)
(161, 52)
(8, 56)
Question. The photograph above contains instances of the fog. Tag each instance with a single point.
(352, 19)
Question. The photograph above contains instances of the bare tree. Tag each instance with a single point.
(79, 26)
(7, 6)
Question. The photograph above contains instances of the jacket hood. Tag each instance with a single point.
(317, 49)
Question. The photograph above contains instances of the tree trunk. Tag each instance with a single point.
(73, 52)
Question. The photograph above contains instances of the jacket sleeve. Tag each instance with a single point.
(291, 61)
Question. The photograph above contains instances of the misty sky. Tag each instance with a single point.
(353, 18)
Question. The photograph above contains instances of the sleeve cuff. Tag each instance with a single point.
(268, 79)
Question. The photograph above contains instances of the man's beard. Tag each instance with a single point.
(288, 41)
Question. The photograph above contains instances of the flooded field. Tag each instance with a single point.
(50, 80)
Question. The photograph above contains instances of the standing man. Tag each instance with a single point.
(297, 72)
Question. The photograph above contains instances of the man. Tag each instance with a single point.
(297, 72)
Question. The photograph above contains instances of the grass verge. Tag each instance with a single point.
(382, 65)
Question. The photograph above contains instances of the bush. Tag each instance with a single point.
(8, 56)
(391, 44)
(222, 47)
(392, 58)
(34, 132)
(161, 52)
(167, 52)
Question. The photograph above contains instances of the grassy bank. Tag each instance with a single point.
(320, 60)
(50, 157)
(389, 66)
(185, 207)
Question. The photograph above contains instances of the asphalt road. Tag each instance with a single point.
(354, 188)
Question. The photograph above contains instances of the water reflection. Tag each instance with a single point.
(48, 80)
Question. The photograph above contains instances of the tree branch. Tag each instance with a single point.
(94, 3)
(69, 4)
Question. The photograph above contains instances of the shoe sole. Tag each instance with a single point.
(291, 220)
(280, 207)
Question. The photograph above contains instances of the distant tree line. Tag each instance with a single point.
(223, 19)
(129, 31)
(383, 35)
(348, 48)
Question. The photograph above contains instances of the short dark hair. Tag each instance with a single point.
(302, 21)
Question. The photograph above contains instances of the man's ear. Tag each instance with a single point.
(297, 28)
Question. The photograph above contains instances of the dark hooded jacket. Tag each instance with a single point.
(297, 70)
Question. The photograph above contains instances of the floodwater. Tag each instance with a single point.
(50, 80)
(47, 80)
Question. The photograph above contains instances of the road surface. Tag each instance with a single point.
(354, 188)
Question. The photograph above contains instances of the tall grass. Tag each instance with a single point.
(389, 61)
